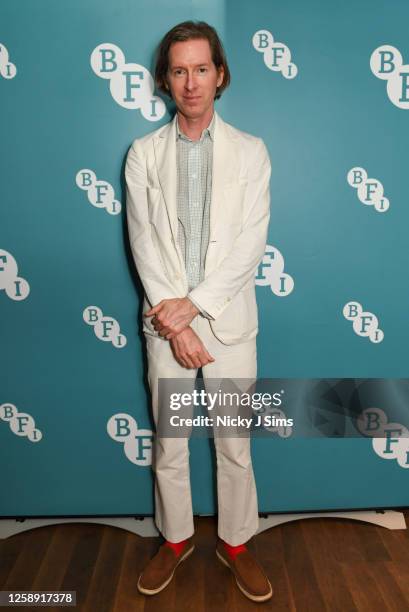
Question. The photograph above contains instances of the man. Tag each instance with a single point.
(198, 212)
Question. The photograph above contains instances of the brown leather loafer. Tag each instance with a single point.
(160, 569)
(249, 575)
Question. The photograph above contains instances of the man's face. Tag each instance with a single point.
(192, 77)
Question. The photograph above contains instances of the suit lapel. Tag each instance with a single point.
(165, 155)
(223, 157)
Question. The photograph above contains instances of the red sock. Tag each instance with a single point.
(232, 551)
(177, 546)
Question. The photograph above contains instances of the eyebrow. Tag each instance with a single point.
(196, 66)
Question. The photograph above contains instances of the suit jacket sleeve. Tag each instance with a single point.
(216, 291)
(155, 282)
(201, 311)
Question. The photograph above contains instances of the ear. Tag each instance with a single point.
(168, 91)
(220, 76)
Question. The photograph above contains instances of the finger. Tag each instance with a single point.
(189, 362)
(169, 329)
(154, 309)
(196, 360)
(206, 357)
(178, 356)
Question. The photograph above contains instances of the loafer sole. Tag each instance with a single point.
(242, 589)
(165, 584)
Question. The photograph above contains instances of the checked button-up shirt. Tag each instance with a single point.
(194, 184)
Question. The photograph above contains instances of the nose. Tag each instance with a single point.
(190, 82)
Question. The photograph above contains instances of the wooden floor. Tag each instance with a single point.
(314, 564)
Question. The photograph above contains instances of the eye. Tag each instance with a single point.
(202, 70)
(178, 71)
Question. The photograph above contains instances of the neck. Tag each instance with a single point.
(193, 126)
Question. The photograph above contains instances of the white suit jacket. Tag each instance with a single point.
(239, 216)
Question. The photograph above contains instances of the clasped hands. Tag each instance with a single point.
(171, 319)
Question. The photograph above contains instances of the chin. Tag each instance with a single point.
(193, 111)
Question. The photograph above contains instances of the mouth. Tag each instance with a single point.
(192, 99)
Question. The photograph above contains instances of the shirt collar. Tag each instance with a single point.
(209, 130)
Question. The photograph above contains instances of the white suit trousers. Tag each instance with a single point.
(236, 489)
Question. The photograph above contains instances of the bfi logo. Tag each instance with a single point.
(16, 287)
(7, 69)
(389, 440)
(21, 423)
(131, 85)
(369, 190)
(364, 324)
(106, 328)
(137, 442)
(277, 56)
(100, 193)
(271, 273)
(386, 64)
